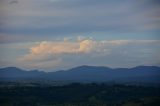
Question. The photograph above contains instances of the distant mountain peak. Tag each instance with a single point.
(83, 66)
(86, 73)
(145, 67)
(11, 69)
(88, 67)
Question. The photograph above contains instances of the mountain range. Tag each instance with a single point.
(86, 73)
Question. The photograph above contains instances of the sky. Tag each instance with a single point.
(53, 35)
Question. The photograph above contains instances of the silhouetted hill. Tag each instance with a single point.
(87, 73)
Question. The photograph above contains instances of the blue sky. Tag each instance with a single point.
(114, 33)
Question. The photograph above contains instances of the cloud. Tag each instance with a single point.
(36, 20)
(47, 49)
(41, 17)
(86, 46)
(63, 54)
(54, 0)
(13, 2)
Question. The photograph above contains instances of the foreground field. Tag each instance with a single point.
(80, 95)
